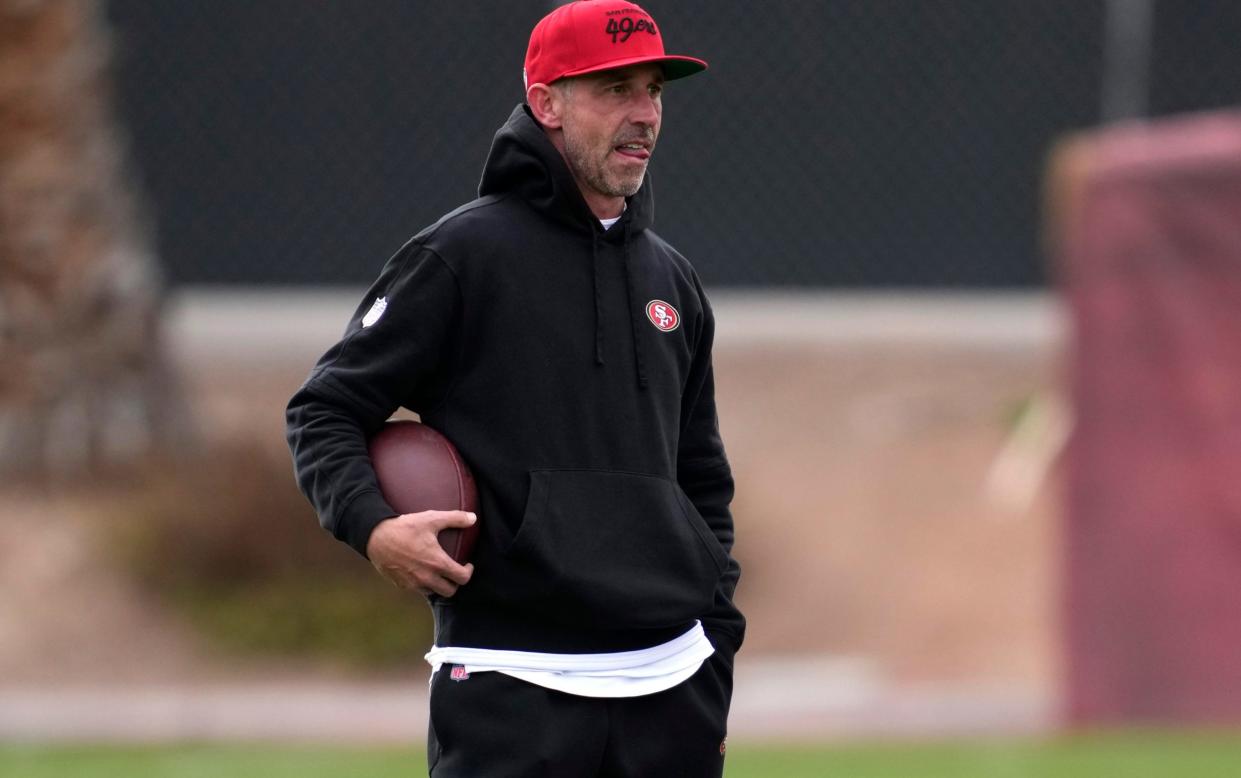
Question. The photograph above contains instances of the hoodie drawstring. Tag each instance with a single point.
(594, 273)
(630, 297)
(633, 314)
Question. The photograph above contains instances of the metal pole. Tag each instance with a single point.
(1126, 59)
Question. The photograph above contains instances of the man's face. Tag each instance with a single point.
(610, 125)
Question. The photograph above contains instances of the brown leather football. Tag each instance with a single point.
(420, 470)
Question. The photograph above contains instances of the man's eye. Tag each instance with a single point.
(656, 91)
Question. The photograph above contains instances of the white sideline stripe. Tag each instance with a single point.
(982, 319)
(775, 698)
(249, 323)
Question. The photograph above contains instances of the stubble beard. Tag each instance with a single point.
(596, 175)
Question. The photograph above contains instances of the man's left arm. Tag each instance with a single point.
(704, 475)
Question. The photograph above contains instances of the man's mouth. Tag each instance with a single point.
(634, 149)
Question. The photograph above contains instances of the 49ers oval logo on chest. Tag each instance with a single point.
(663, 315)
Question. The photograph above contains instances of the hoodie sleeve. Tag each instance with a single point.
(704, 474)
(394, 352)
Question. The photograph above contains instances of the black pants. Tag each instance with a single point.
(491, 725)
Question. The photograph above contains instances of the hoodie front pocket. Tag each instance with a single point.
(613, 549)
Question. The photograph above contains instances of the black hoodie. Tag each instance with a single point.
(518, 327)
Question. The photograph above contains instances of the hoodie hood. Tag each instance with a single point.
(523, 160)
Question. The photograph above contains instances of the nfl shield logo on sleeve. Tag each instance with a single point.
(377, 310)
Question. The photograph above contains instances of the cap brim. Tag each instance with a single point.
(674, 66)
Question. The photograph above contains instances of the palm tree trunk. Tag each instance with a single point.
(84, 379)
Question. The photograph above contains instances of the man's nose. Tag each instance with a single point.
(645, 111)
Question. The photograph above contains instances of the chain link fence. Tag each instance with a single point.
(849, 143)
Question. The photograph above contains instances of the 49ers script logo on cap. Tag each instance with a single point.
(621, 29)
(663, 315)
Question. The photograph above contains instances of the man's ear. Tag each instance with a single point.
(547, 105)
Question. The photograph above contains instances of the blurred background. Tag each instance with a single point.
(977, 271)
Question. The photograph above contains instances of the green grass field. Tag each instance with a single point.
(1128, 755)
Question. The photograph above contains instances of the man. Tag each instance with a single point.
(566, 350)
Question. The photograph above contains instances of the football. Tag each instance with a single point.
(420, 470)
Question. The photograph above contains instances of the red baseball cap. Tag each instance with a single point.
(586, 36)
